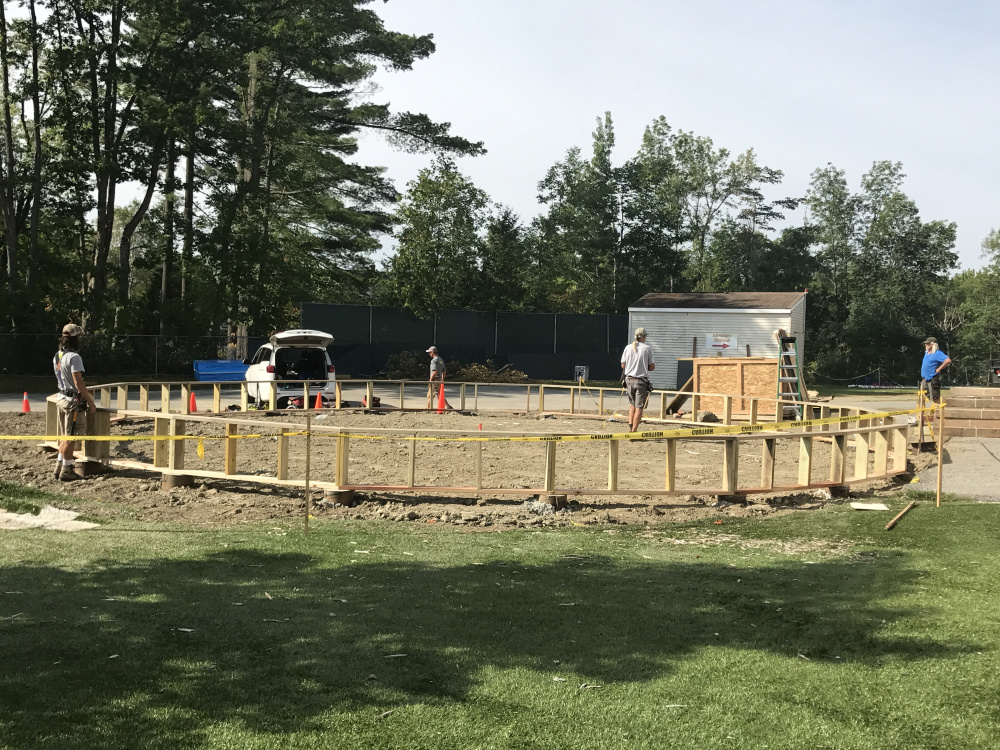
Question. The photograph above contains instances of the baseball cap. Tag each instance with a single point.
(640, 332)
(432, 350)
(72, 329)
(930, 340)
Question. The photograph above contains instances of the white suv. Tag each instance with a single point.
(291, 356)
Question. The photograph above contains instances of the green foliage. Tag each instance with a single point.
(408, 365)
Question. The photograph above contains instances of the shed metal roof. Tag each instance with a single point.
(728, 301)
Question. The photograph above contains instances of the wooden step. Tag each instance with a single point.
(983, 432)
(975, 391)
(978, 414)
(972, 402)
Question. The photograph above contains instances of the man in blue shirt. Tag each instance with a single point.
(934, 362)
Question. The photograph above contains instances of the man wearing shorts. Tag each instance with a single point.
(637, 363)
(73, 399)
(934, 362)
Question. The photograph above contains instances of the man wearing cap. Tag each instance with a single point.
(637, 363)
(934, 362)
(437, 374)
(72, 400)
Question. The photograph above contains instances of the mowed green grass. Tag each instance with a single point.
(419, 636)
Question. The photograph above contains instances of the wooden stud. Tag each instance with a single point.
(217, 398)
(541, 398)
(479, 466)
(175, 454)
(838, 455)
(940, 452)
(411, 473)
(161, 448)
(370, 393)
(881, 453)
(671, 465)
(572, 400)
(105, 398)
(727, 410)
(695, 403)
(824, 413)
(663, 404)
(550, 467)
(306, 402)
(244, 397)
(230, 457)
(51, 416)
(308, 491)
(338, 392)
(861, 456)
(272, 395)
(600, 401)
(165, 398)
(754, 406)
(185, 398)
(121, 403)
(283, 454)
(767, 463)
(461, 397)
(805, 460)
(402, 395)
(612, 465)
(528, 407)
(475, 391)
(730, 465)
(899, 449)
(342, 461)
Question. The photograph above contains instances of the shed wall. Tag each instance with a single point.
(670, 333)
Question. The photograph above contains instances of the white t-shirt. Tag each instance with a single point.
(637, 361)
(65, 363)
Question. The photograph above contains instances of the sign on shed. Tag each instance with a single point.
(721, 342)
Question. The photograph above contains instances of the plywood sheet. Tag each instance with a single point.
(760, 380)
(748, 377)
(721, 378)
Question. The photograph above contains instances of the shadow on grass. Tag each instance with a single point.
(155, 654)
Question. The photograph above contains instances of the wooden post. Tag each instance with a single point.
(727, 410)
(461, 397)
(165, 398)
(217, 398)
(185, 398)
(283, 454)
(51, 416)
(370, 393)
(730, 465)
(550, 467)
(121, 403)
(767, 463)
(695, 404)
(541, 398)
(881, 453)
(306, 402)
(600, 401)
(340, 467)
(612, 465)
(899, 448)
(402, 395)
(230, 457)
(663, 404)
(527, 409)
(161, 448)
(272, 395)
(861, 456)
(412, 471)
(143, 397)
(572, 400)
(671, 465)
(754, 406)
(475, 392)
(98, 423)
(824, 413)
(805, 460)
(337, 393)
(479, 466)
(940, 452)
(308, 464)
(838, 453)
(175, 458)
(105, 398)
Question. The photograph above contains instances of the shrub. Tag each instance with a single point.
(416, 366)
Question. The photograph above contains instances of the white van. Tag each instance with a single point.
(291, 356)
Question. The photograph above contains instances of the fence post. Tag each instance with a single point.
(550, 467)
(232, 431)
(767, 463)
(805, 460)
(731, 465)
(671, 464)
(283, 454)
(612, 465)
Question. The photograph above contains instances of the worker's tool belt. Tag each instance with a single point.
(76, 401)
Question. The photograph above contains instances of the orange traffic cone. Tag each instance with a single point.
(192, 404)
(319, 401)
(441, 401)
(25, 406)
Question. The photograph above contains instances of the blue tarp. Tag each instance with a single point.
(219, 370)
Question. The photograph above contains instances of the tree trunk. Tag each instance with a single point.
(36, 173)
(168, 234)
(125, 245)
(187, 251)
(7, 191)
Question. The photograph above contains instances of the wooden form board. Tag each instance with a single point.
(748, 377)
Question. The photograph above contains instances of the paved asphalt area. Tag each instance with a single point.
(971, 465)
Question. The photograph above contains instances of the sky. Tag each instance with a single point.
(804, 83)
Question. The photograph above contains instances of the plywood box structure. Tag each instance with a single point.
(698, 325)
(748, 377)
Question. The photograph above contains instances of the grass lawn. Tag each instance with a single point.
(760, 634)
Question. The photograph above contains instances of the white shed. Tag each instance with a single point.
(701, 324)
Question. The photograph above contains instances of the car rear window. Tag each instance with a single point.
(303, 362)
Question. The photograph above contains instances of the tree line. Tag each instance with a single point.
(235, 125)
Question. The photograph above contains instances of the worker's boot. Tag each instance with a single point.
(68, 474)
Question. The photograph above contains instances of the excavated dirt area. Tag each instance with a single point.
(136, 494)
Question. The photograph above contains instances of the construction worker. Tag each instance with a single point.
(637, 363)
(73, 399)
(934, 362)
(438, 371)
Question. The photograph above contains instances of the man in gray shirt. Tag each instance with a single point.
(637, 362)
(437, 375)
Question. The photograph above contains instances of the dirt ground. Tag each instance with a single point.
(135, 494)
